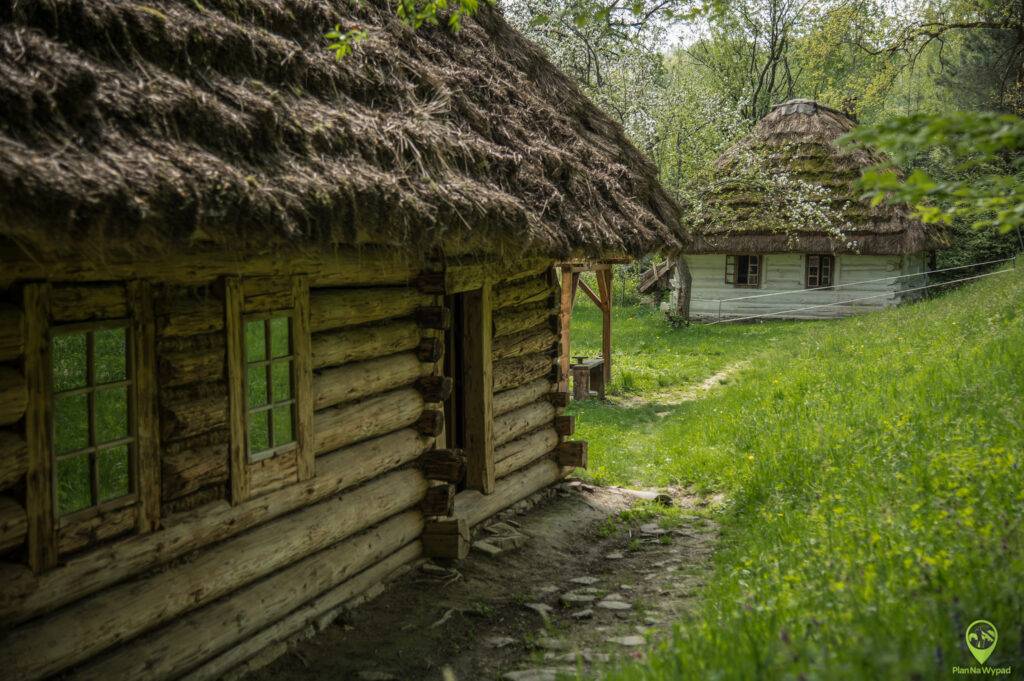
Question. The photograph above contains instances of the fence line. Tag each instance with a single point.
(855, 283)
(854, 300)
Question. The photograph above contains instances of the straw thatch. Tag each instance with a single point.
(174, 122)
(796, 147)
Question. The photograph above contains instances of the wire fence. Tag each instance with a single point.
(863, 298)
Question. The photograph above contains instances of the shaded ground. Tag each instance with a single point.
(591, 581)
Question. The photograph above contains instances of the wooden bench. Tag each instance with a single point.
(587, 376)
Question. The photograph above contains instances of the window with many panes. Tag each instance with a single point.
(743, 271)
(92, 433)
(819, 271)
(269, 385)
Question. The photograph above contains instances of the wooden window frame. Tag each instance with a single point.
(251, 300)
(268, 363)
(46, 528)
(93, 449)
(822, 258)
(731, 270)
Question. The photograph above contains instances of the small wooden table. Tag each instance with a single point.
(587, 374)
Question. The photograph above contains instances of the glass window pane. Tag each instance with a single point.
(111, 414)
(74, 486)
(70, 423)
(280, 336)
(259, 434)
(256, 377)
(114, 474)
(281, 374)
(283, 425)
(109, 346)
(68, 359)
(255, 341)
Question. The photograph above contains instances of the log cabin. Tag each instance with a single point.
(275, 326)
(804, 244)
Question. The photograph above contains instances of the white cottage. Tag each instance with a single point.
(783, 217)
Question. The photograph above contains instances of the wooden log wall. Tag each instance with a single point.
(13, 449)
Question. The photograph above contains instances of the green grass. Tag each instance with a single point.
(872, 468)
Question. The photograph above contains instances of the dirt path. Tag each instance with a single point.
(671, 398)
(575, 581)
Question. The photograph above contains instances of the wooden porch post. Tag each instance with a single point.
(568, 295)
(478, 385)
(604, 285)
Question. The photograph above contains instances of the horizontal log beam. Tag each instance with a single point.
(189, 465)
(509, 373)
(174, 650)
(26, 595)
(538, 339)
(476, 507)
(507, 400)
(355, 380)
(13, 457)
(13, 395)
(532, 290)
(13, 524)
(380, 572)
(191, 410)
(332, 348)
(75, 634)
(508, 427)
(180, 316)
(340, 266)
(81, 303)
(524, 451)
(190, 366)
(336, 427)
(12, 332)
(514, 320)
(331, 308)
(472, 275)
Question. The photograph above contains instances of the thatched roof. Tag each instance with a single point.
(227, 121)
(789, 187)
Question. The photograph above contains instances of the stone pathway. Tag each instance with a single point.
(571, 582)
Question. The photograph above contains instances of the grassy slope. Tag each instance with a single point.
(873, 468)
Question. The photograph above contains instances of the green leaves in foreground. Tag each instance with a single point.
(985, 184)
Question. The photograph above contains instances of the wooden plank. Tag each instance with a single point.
(144, 409)
(85, 302)
(337, 308)
(13, 457)
(476, 507)
(24, 596)
(303, 366)
(605, 276)
(39, 481)
(336, 427)
(97, 528)
(172, 651)
(234, 329)
(507, 400)
(79, 632)
(13, 395)
(590, 292)
(273, 473)
(478, 389)
(13, 523)
(352, 381)
(521, 421)
(332, 348)
(12, 332)
(249, 645)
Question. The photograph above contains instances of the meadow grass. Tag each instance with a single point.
(872, 468)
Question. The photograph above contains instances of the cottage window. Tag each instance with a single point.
(93, 434)
(743, 271)
(269, 383)
(819, 271)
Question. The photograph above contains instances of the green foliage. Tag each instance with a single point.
(986, 182)
(343, 42)
(869, 465)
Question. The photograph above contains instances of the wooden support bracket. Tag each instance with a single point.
(447, 538)
(434, 388)
(447, 465)
(572, 454)
(439, 501)
(434, 317)
(430, 423)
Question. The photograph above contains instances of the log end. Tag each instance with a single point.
(572, 454)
